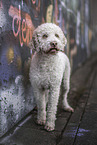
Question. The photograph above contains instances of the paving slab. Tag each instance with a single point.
(89, 120)
(68, 137)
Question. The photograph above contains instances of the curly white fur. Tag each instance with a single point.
(49, 70)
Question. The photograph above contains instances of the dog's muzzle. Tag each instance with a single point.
(53, 49)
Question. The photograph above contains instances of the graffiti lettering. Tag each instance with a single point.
(22, 28)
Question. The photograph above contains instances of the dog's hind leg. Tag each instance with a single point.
(65, 103)
(65, 89)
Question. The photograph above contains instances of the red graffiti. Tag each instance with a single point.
(21, 27)
(1, 6)
(33, 1)
(36, 8)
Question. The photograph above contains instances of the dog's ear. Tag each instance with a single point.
(64, 41)
(33, 44)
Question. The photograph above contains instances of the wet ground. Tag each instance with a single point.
(78, 128)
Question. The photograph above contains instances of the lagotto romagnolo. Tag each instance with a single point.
(49, 71)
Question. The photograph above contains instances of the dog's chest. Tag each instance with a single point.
(48, 69)
(51, 67)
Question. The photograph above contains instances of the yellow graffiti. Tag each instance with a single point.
(49, 13)
(19, 62)
(10, 55)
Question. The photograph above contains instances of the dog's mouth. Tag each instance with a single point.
(53, 50)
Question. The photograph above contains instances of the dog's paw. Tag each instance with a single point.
(49, 128)
(69, 109)
(41, 122)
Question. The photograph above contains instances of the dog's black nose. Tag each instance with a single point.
(53, 44)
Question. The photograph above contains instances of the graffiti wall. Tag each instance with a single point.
(18, 19)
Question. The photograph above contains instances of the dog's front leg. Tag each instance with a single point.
(52, 108)
(41, 105)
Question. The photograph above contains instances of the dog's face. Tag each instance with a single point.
(48, 38)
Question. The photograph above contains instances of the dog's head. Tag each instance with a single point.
(48, 38)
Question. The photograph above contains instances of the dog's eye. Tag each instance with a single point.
(44, 36)
(57, 35)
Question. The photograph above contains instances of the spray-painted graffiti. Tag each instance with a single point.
(21, 27)
(33, 1)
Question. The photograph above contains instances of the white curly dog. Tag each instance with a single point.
(49, 70)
